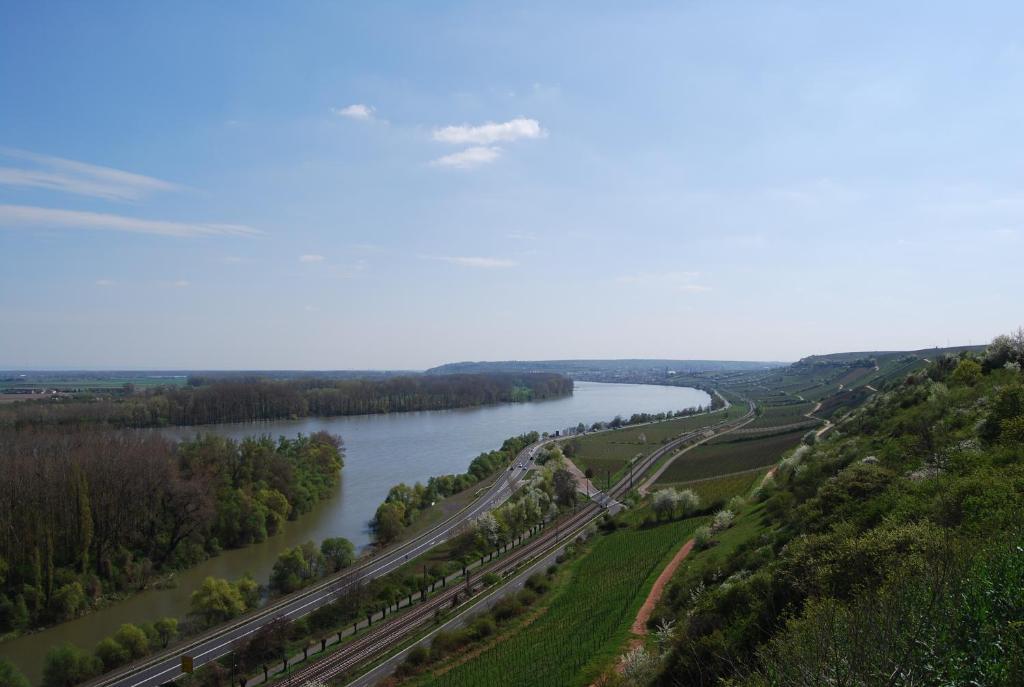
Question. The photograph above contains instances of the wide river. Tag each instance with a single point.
(380, 450)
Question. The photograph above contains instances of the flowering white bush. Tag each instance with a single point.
(688, 501)
(702, 537)
(722, 520)
(639, 666)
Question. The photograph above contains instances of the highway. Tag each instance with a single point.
(386, 636)
(166, 666)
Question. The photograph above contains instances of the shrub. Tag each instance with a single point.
(702, 537)
(722, 520)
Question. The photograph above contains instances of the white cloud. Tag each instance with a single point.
(104, 282)
(490, 132)
(311, 308)
(71, 176)
(469, 158)
(356, 111)
(181, 284)
(522, 236)
(471, 261)
(311, 257)
(26, 216)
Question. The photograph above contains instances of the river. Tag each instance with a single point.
(380, 451)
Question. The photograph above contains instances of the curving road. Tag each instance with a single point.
(166, 666)
(218, 642)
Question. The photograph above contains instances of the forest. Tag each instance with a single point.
(92, 513)
(208, 401)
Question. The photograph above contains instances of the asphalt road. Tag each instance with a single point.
(214, 644)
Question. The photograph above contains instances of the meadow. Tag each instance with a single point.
(581, 632)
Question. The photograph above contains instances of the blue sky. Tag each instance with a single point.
(396, 185)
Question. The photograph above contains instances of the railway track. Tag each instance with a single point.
(388, 634)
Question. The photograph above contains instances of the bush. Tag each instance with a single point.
(722, 520)
(702, 537)
(111, 654)
(68, 665)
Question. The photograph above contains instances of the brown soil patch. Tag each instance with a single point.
(640, 624)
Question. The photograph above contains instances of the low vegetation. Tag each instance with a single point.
(888, 554)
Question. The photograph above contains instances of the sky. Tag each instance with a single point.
(319, 185)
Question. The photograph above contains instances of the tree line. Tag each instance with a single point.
(93, 512)
(252, 399)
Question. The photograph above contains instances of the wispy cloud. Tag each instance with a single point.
(472, 261)
(522, 236)
(679, 281)
(30, 217)
(104, 282)
(490, 132)
(469, 158)
(311, 257)
(80, 178)
(356, 111)
(181, 283)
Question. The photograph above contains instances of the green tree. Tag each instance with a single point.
(68, 601)
(249, 589)
(217, 600)
(67, 665)
(338, 552)
(85, 526)
(11, 676)
(110, 652)
(166, 630)
(295, 567)
(133, 639)
(966, 373)
(388, 522)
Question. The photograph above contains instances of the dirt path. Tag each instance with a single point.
(583, 485)
(644, 614)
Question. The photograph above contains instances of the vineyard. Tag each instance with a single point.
(779, 415)
(720, 489)
(583, 629)
(724, 456)
(610, 451)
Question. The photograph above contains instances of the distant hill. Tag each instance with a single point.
(604, 369)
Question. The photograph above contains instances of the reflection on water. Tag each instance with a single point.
(380, 450)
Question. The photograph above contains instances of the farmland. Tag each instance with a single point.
(718, 490)
(729, 455)
(581, 631)
(779, 415)
(608, 452)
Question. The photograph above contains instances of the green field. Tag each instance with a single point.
(720, 489)
(588, 620)
(609, 452)
(779, 415)
(727, 455)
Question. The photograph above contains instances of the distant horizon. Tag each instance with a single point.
(5, 369)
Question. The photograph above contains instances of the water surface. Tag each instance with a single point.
(380, 450)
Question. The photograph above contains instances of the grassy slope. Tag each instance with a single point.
(587, 620)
